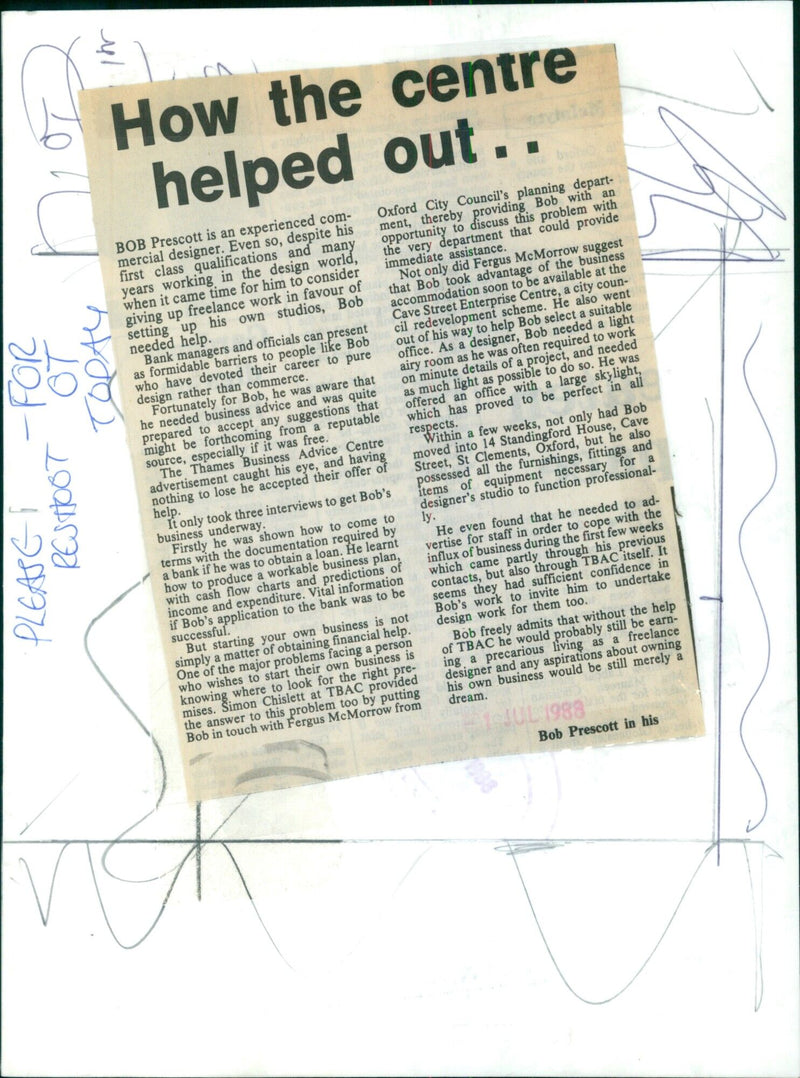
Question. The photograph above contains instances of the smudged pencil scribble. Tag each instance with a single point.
(716, 178)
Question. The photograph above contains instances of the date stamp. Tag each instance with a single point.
(529, 714)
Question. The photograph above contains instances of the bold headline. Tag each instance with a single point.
(301, 103)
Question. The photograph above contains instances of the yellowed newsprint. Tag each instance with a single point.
(391, 395)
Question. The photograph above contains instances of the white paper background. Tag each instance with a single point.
(626, 911)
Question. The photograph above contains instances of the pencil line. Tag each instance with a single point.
(720, 552)
(49, 803)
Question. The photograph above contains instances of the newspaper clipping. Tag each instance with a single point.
(390, 389)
